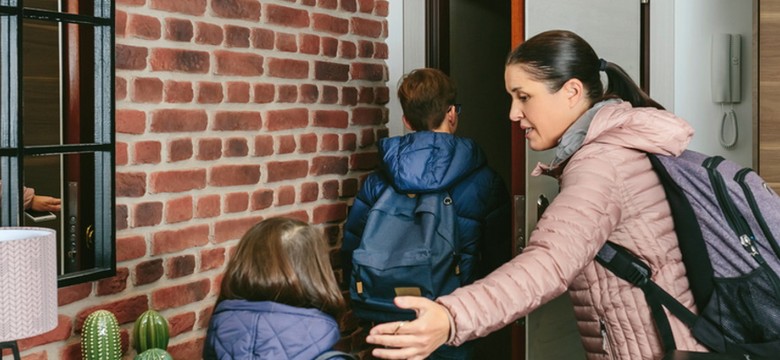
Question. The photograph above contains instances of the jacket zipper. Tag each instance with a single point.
(606, 345)
(751, 199)
(736, 221)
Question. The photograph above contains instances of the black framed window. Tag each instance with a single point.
(57, 126)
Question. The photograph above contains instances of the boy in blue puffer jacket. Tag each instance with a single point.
(279, 298)
(431, 159)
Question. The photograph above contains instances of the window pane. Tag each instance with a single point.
(58, 93)
(82, 7)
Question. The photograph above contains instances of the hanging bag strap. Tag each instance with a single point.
(335, 353)
(628, 267)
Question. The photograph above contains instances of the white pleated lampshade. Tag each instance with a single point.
(28, 282)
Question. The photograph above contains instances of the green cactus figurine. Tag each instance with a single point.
(100, 337)
(150, 332)
(154, 354)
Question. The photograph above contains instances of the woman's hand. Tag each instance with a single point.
(45, 203)
(413, 340)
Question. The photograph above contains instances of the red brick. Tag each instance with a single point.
(287, 94)
(238, 92)
(363, 161)
(237, 9)
(148, 272)
(309, 44)
(179, 149)
(286, 16)
(147, 90)
(330, 46)
(192, 349)
(171, 241)
(147, 214)
(73, 350)
(125, 310)
(287, 170)
(130, 121)
(190, 7)
(236, 202)
(348, 50)
(381, 51)
(178, 91)
(236, 36)
(367, 116)
(178, 180)
(208, 34)
(212, 258)
(238, 64)
(330, 189)
(328, 71)
(287, 119)
(369, 72)
(286, 42)
(308, 143)
(236, 147)
(120, 88)
(129, 248)
(262, 199)
(330, 24)
(115, 284)
(382, 95)
(130, 57)
(328, 4)
(233, 229)
(323, 165)
(147, 152)
(310, 191)
(42, 355)
(179, 30)
(366, 95)
(121, 217)
(349, 5)
(264, 145)
(366, 6)
(120, 23)
(180, 266)
(349, 187)
(367, 137)
(366, 27)
(348, 142)
(178, 210)
(330, 213)
(331, 119)
(209, 149)
(143, 27)
(205, 314)
(330, 142)
(237, 120)
(180, 60)
(286, 144)
(210, 92)
(61, 332)
(288, 68)
(181, 323)
(178, 120)
(130, 184)
(208, 206)
(121, 154)
(299, 215)
(285, 195)
(263, 39)
(309, 93)
(73, 293)
(330, 94)
(232, 175)
(366, 48)
(180, 295)
(349, 96)
(381, 8)
(264, 93)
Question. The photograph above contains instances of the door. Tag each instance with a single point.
(613, 29)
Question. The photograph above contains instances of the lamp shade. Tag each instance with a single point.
(28, 282)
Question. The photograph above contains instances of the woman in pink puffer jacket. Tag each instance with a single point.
(608, 191)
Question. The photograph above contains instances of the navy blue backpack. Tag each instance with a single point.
(409, 246)
(727, 220)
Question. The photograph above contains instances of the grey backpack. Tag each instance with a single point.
(727, 221)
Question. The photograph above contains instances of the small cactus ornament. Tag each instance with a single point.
(100, 337)
(154, 354)
(150, 331)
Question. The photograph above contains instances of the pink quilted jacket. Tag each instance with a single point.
(608, 192)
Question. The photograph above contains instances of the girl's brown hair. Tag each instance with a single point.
(285, 261)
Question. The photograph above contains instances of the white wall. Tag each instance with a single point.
(682, 31)
(406, 43)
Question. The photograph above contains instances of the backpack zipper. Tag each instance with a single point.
(735, 219)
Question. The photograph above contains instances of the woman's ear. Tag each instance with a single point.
(574, 91)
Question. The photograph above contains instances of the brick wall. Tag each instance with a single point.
(228, 111)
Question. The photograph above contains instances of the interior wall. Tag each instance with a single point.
(681, 69)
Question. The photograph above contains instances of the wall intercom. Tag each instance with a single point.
(726, 80)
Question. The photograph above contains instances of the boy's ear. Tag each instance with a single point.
(406, 123)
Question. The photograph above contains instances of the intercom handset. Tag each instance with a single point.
(726, 80)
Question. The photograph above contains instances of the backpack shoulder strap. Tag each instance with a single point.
(331, 354)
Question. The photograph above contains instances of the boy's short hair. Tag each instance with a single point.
(426, 95)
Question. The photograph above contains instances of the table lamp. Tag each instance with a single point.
(28, 284)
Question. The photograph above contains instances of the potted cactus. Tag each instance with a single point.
(154, 354)
(150, 331)
(100, 337)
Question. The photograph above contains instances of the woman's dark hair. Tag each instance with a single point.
(555, 56)
(285, 261)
